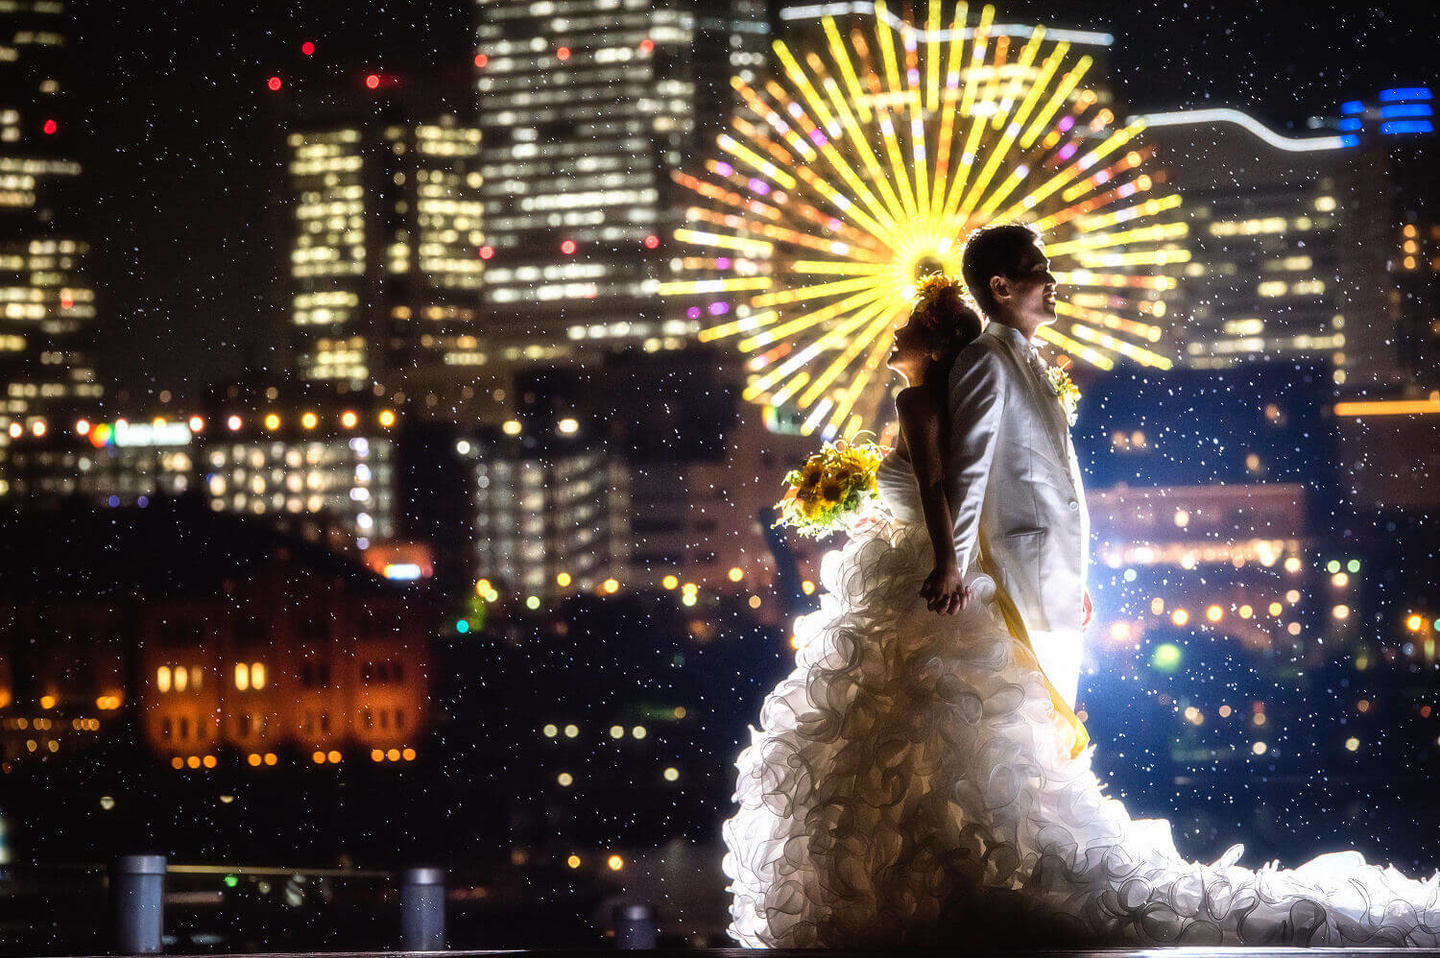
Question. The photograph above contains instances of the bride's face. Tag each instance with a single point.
(908, 356)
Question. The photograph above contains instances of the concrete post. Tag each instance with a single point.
(137, 902)
(422, 909)
(635, 926)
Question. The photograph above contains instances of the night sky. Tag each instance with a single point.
(181, 140)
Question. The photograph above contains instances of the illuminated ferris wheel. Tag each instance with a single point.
(864, 163)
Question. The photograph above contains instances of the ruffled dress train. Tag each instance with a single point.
(909, 784)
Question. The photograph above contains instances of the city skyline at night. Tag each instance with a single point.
(394, 405)
(216, 110)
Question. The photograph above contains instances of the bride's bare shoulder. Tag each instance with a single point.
(916, 399)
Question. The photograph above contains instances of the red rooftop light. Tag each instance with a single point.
(652, 241)
(307, 48)
(373, 81)
(567, 247)
(486, 252)
(273, 83)
(481, 60)
(562, 54)
(50, 127)
(647, 45)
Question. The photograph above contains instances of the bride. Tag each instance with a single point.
(920, 778)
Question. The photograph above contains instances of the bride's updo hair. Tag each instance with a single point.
(941, 313)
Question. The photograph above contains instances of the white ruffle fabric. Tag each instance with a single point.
(908, 786)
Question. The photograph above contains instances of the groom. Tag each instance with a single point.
(1014, 483)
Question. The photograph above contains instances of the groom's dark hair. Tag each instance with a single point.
(994, 251)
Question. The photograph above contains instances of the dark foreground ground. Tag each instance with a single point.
(742, 952)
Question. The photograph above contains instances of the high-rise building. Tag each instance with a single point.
(586, 109)
(551, 513)
(1397, 222)
(1316, 247)
(46, 305)
(385, 246)
(1270, 257)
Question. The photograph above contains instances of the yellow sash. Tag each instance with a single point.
(1067, 723)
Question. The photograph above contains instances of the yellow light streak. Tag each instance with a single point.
(1022, 67)
(847, 69)
(977, 57)
(813, 318)
(756, 162)
(805, 293)
(714, 285)
(947, 117)
(1094, 317)
(753, 247)
(743, 324)
(811, 352)
(932, 57)
(828, 267)
(1062, 92)
(1390, 407)
(880, 320)
(1142, 234)
(860, 385)
(1056, 338)
(881, 216)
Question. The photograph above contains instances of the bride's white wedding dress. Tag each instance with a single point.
(910, 784)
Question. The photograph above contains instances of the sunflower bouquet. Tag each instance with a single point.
(828, 493)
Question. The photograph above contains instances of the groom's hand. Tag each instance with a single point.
(1087, 612)
(944, 590)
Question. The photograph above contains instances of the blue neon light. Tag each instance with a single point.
(1406, 126)
(1351, 108)
(1350, 124)
(1401, 110)
(1349, 139)
(1397, 94)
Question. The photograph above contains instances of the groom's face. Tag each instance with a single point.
(1032, 288)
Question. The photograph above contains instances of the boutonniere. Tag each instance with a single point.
(1065, 389)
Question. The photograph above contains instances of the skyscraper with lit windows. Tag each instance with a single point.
(586, 109)
(384, 244)
(46, 306)
(1311, 246)
(1397, 206)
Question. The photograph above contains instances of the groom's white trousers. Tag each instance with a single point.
(1059, 654)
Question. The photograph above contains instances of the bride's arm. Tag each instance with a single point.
(920, 419)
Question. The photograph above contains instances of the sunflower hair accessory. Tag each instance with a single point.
(931, 286)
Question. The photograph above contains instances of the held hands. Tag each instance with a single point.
(944, 591)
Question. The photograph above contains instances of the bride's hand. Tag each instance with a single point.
(944, 591)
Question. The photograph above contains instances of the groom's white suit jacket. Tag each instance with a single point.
(1014, 480)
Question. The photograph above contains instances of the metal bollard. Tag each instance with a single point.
(137, 898)
(422, 909)
(635, 926)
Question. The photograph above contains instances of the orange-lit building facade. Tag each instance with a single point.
(287, 661)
